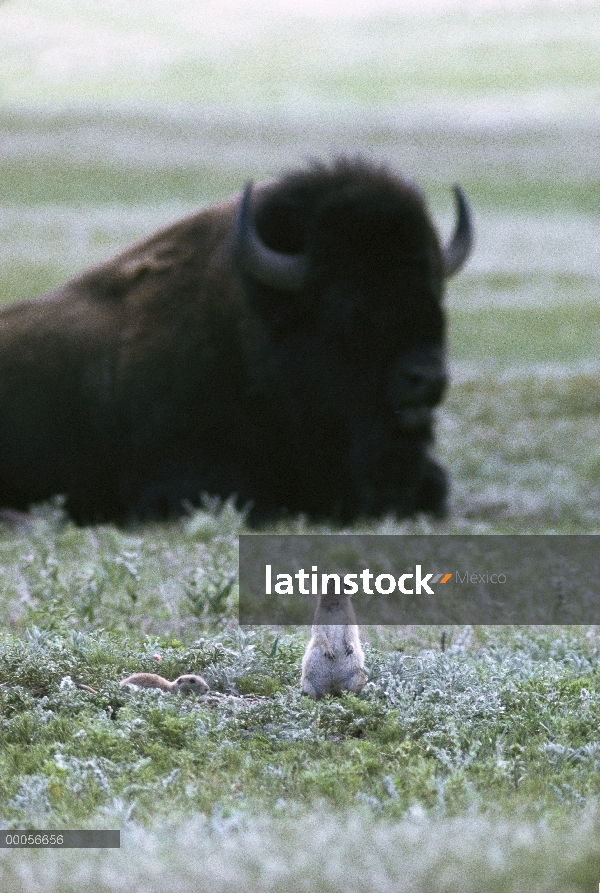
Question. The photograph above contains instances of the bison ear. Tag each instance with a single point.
(275, 269)
(458, 249)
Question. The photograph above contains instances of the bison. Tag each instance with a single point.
(285, 346)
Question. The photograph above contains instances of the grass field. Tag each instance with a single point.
(471, 768)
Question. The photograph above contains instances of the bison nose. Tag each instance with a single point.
(418, 382)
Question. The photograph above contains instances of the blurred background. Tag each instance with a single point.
(118, 116)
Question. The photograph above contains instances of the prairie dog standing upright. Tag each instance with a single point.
(334, 659)
(183, 684)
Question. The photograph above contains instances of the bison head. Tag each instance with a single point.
(346, 269)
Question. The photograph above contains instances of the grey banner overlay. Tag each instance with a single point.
(494, 579)
(57, 839)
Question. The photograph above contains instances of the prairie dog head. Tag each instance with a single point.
(191, 684)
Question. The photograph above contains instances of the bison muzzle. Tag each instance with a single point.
(285, 346)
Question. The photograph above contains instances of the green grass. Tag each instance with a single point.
(501, 722)
(326, 852)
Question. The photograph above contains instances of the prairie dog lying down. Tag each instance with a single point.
(184, 684)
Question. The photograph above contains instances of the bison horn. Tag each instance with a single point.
(285, 272)
(459, 247)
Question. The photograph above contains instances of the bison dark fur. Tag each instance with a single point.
(287, 348)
